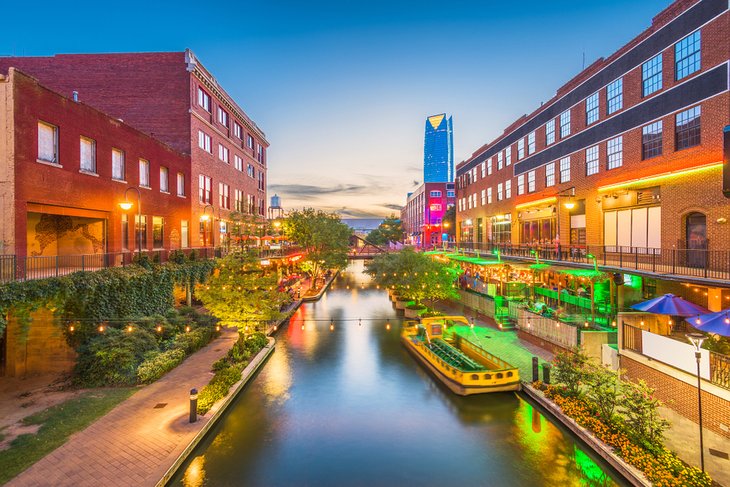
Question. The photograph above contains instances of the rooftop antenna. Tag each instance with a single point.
(584, 60)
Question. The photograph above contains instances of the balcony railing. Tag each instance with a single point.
(708, 264)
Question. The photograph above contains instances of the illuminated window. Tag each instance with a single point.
(651, 75)
(118, 169)
(687, 56)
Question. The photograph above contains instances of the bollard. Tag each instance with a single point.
(193, 405)
(546, 373)
(535, 369)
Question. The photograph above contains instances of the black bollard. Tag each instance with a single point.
(546, 373)
(535, 369)
(193, 405)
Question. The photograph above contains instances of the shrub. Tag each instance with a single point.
(218, 387)
(416, 306)
(602, 390)
(640, 410)
(155, 367)
(112, 357)
(193, 340)
(569, 370)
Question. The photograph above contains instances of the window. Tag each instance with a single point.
(508, 156)
(164, 180)
(521, 184)
(238, 200)
(237, 130)
(158, 232)
(204, 100)
(204, 141)
(484, 197)
(222, 117)
(592, 108)
(651, 140)
(635, 227)
(261, 181)
(249, 142)
(592, 160)
(520, 149)
(205, 189)
(615, 150)
(251, 200)
(184, 234)
(687, 128)
(144, 173)
(499, 192)
(687, 56)
(118, 169)
(250, 170)
(223, 153)
(451, 194)
(260, 153)
(489, 196)
(531, 181)
(500, 160)
(87, 155)
(47, 142)
(224, 196)
(565, 124)
(615, 96)
(508, 189)
(140, 230)
(565, 169)
(550, 175)
(238, 163)
(483, 170)
(435, 194)
(125, 232)
(550, 132)
(180, 184)
(530, 143)
(651, 75)
(489, 166)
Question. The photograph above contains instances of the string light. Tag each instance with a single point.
(187, 329)
(129, 328)
(387, 326)
(698, 321)
(359, 322)
(217, 327)
(332, 325)
(101, 328)
(302, 326)
(71, 328)
(159, 329)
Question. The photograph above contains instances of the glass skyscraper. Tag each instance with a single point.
(438, 150)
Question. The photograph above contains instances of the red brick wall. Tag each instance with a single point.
(682, 397)
(66, 187)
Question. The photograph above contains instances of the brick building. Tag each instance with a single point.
(65, 167)
(422, 216)
(172, 97)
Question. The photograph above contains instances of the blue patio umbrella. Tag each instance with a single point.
(717, 323)
(671, 305)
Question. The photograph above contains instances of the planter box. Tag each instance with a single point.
(401, 303)
(414, 313)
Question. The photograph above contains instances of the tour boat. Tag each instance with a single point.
(459, 361)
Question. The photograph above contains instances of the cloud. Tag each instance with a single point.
(391, 206)
(307, 190)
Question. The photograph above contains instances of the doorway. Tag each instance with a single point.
(696, 238)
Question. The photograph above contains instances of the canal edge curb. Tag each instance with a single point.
(631, 474)
(324, 289)
(246, 374)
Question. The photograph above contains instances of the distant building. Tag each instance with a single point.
(362, 226)
(438, 150)
(422, 216)
(275, 208)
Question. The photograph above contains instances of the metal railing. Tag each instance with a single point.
(709, 264)
(720, 369)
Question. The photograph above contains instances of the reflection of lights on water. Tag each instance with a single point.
(195, 473)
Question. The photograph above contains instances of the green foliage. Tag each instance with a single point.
(449, 221)
(640, 410)
(218, 387)
(323, 237)
(602, 389)
(390, 230)
(194, 340)
(569, 371)
(159, 364)
(414, 275)
(242, 294)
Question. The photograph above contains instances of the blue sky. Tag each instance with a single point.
(342, 88)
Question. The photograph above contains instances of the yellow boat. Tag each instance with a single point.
(460, 363)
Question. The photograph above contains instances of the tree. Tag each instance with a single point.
(449, 221)
(414, 275)
(389, 230)
(570, 370)
(241, 293)
(602, 389)
(641, 412)
(323, 237)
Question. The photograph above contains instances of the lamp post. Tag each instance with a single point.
(696, 340)
(126, 205)
(444, 225)
(205, 218)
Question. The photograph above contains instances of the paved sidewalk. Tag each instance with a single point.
(136, 442)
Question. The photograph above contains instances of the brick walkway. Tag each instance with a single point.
(135, 443)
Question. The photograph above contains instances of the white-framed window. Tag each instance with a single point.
(489, 166)
(180, 184)
(550, 132)
(222, 117)
(687, 54)
(615, 96)
(435, 194)
(164, 180)
(508, 156)
(223, 153)
(615, 150)
(238, 162)
(450, 193)
(47, 142)
(203, 99)
(499, 191)
(521, 184)
(550, 175)
(651, 75)
(520, 149)
(237, 130)
(565, 169)
(87, 155)
(184, 234)
(204, 141)
(489, 196)
(500, 160)
(468, 202)
(238, 200)
(531, 143)
(205, 189)
(118, 169)
(508, 189)
(474, 175)
(144, 173)
(565, 124)
(592, 108)
(483, 170)
(531, 182)
(484, 197)
(250, 170)
(224, 196)
(592, 160)
(249, 142)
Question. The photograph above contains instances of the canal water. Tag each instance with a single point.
(350, 407)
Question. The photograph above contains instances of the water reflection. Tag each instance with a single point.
(350, 406)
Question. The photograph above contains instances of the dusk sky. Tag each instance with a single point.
(342, 89)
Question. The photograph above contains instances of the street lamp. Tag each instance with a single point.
(696, 340)
(205, 218)
(595, 262)
(126, 205)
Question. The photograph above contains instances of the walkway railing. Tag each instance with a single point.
(710, 264)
